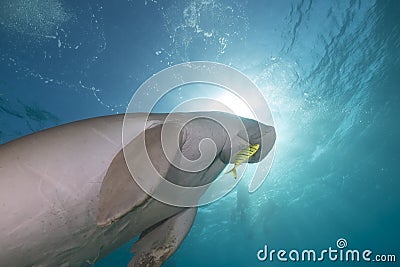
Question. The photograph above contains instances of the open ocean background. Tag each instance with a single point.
(330, 71)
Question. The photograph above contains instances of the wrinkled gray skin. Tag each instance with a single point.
(68, 199)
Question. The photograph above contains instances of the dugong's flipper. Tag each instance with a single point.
(119, 193)
(159, 242)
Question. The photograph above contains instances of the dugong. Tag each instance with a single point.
(68, 198)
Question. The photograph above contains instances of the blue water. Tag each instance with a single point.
(328, 69)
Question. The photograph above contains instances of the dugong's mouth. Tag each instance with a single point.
(266, 140)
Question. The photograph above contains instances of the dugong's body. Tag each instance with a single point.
(52, 209)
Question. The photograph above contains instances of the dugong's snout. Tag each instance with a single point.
(251, 132)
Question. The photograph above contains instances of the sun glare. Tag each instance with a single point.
(235, 105)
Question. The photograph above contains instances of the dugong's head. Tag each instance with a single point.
(206, 136)
(231, 134)
(208, 141)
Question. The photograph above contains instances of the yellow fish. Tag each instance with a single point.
(242, 156)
